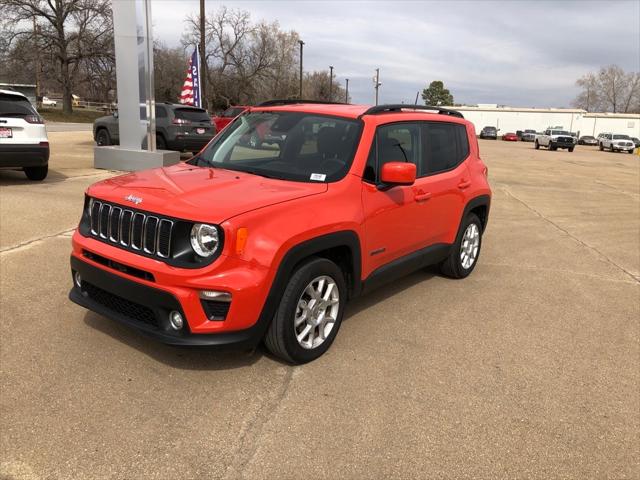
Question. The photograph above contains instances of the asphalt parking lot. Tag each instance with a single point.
(530, 368)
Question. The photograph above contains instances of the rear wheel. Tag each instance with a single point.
(36, 173)
(310, 312)
(103, 138)
(465, 252)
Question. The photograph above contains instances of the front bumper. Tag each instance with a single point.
(23, 155)
(146, 309)
(161, 288)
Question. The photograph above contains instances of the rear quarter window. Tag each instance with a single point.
(446, 146)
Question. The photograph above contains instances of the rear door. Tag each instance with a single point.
(19, 121)
(443, 179)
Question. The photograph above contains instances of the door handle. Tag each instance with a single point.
(464, 184)
(422, 197)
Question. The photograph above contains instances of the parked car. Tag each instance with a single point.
(47, 102)
(222, 120)
(587, 140)
(240, 245)
(529, 135)
(510, 137)
(616, 142)
(555, 139)
(178, 127)
(23, 136)
(636, 141)
(489, 132)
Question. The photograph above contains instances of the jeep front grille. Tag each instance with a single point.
(131, 229)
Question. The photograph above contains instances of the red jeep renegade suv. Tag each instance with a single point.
(244, 244)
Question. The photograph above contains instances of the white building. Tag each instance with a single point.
(510, 119)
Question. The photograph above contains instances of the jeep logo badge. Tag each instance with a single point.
(133, 199)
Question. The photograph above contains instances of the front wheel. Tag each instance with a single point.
(570, 149)
(537, 145)
(103, 138)
(630, 151)
(552, 148)
(310, 312)
(465, 251)
(601, 147)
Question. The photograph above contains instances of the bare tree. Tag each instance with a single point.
(73, 30)
(610, 89)
(170, 69)
(316, 87)
(588, 99)
(246, 62)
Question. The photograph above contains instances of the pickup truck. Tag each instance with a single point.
(555, 139)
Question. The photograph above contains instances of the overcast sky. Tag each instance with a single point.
(518, 53)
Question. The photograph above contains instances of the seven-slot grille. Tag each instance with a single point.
(131, 229)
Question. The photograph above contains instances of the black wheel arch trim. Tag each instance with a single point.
(479, 201)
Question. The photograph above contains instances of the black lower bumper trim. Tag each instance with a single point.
(158, 301)
(23, 155)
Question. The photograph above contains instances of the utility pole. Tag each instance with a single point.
(417, 93)
(301, 45)
(330, 83)
(376, 81)
(203, 62)
(346, 94)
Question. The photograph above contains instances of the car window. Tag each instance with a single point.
(445, 145)
(161, 112)
(15, 106)
(192, 114)
(294, 146)
(399, 142)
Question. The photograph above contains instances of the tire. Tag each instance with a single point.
(36, 173)
(537, 145)
(601, 147)
(281, 338)
(570, 149)
(452, 266)
(160, 143)
(630, 151)
(552, 148)
(103, 138)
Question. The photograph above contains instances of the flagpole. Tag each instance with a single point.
(199, 77)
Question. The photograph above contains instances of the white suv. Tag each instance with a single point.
(613, 141)
(23, 137)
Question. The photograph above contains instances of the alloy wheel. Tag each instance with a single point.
(470, 245)
(316, 312)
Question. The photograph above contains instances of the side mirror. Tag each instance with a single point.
(115, 114)
(398, 173)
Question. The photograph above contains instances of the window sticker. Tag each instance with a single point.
(318, 177)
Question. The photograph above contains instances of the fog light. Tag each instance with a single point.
(215, 295)
(77, 279)
(175, 318)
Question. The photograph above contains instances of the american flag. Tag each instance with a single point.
(191, 94)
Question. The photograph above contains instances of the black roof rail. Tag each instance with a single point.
(403, 106)
(293, 101)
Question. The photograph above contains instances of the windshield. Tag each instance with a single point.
(302, 147)
(529, 131)
(560, 132)
(490, 129)
(621, 137)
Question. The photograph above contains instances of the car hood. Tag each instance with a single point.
(210, 195)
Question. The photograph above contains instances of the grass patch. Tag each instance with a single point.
(79, 115)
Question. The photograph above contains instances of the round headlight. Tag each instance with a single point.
(204, 239)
